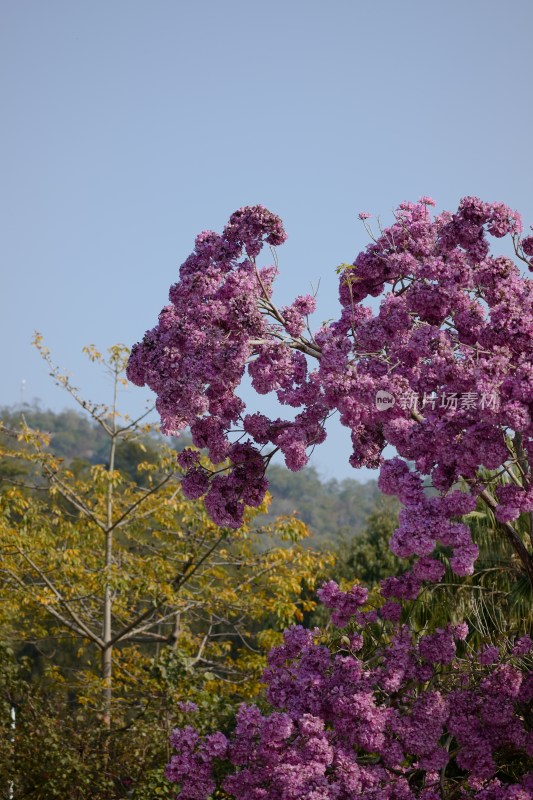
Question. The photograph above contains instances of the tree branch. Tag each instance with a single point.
(75, 618)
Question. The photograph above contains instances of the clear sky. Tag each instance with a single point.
(130, 125)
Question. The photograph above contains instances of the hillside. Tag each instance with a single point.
(334, 510)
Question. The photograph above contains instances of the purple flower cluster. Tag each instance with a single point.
(191, 766)
(345, 605)
(400, 721)
(451, 343)
(215, 328)
(194, 359)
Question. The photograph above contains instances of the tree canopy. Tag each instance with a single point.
(392, 705)
(121, 600)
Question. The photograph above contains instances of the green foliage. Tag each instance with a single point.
(55, 749)
(119, 598)
(367, 557)
(497, 600)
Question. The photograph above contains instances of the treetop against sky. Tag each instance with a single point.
(454, 320)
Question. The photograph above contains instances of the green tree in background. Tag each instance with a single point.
(123, 600)
(367, 557)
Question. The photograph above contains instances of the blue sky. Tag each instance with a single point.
(130, 126)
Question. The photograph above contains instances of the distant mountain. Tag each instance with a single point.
(73, 435)
(335, 511)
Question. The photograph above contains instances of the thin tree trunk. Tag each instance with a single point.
(107, 679)
(107, 635)
(107, 632)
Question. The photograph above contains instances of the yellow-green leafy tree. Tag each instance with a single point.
(134, 602)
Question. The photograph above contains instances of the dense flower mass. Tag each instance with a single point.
(404, 722)
(442, 370)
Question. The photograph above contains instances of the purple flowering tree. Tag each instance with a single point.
(412, 720)
(442, 371)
